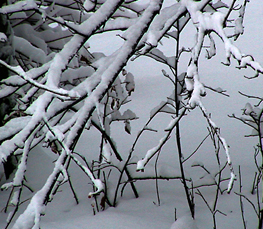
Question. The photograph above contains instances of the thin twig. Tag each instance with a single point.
(197, 148)
(251, 203)
(240, 199)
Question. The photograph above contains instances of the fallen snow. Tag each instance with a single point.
(185, 222)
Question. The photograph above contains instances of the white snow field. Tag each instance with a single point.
(151, 88)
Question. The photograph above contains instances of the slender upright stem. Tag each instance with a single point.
(240, 198)
(178, 136)
(156, 179)
(260, 223)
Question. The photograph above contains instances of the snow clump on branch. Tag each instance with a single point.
(205, 23)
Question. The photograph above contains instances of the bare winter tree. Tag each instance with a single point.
(61, 88)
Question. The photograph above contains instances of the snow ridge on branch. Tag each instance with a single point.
(63, 88)
(205, 23)
(95, 87)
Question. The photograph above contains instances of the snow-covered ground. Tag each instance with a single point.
(151, 89)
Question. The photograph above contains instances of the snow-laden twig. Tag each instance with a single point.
(118, 24)
(205, 23)
(18, 180)
(31, 216)
(120, 57)
(225, 146)
(60, 137)
(16, 81)
(150, 153)
(134, 34)
(164, 21)
(53, 75)
(21, 169)
(58, 91)
(19, 6)
(113, 64)
(96, 182)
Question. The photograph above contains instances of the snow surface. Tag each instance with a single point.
(185, 222)
(142, 213)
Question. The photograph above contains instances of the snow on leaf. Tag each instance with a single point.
(189, 83)
(19, 6)
(140, 165)
(257, 112)
(151, 40)
(3, 37)
(195, 97)
(106, 153)
(192, 70)
(33, 53)
(161, 23)
(28, 33)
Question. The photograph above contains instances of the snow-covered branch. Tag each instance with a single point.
(110, 71)
(16, 81)
(150, 153)
(63, 84)
(58, 91)
(53, 75)
(20, 173)
(19, 6)
(55, 134)
(225, 146)
(164, 21)
(205, 23)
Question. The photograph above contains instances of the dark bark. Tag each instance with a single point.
(6, 104)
